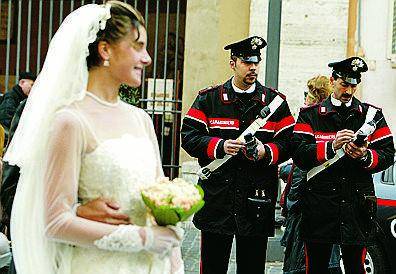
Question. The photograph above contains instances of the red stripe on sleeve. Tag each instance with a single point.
(379, 134)
(374, 159)
(321, 151)
(284, 123)
(303, 128)
(198, 115)
(275, 152)
(212, 147)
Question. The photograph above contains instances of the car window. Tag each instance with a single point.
(389, 175)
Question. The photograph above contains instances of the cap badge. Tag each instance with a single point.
(356, 63)
(256, 42)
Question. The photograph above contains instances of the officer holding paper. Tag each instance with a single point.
(240, 195)
(338, 201)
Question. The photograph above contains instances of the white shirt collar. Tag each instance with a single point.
(238, 90)
(338, 103)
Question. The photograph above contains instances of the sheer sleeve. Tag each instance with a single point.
(66, 147)
(153, 137)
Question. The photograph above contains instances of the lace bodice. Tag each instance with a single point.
(117, 169)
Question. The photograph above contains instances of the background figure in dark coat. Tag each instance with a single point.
(13, 98)
(319, 88)
(10, 177)
(210, 129)
(339, 203)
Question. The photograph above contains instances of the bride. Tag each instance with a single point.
(76, 142)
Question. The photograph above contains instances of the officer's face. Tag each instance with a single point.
(343, 91)
(245, 73)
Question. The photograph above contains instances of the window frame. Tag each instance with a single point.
(392, 26)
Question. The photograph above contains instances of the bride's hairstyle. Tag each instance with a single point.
(124, 19)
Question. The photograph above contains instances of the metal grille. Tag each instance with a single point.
(27, 26)
(394, 29)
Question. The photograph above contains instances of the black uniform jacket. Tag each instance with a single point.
(216, 115)
(336, 205)
(10, 103)
(10, 177)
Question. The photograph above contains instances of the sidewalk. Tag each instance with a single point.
(190, 251)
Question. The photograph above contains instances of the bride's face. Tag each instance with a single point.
(128, 58)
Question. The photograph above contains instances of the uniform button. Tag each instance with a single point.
(237, 190)
(343, 201)
(343, 178)
(235, 214)
(342, 223)
(334, 189)
(227, 180)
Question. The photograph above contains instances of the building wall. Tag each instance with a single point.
(313, 33)
(379, 84)
(210, 25)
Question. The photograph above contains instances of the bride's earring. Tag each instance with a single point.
(106, 63)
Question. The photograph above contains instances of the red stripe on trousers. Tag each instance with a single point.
(364, 252)
(306, 259)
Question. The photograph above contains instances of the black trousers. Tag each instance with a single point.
(251, 253)
(317, 256)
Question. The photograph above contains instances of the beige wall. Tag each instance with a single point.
(210, 25)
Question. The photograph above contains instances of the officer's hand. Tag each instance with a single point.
(343, 137)
(102, 210)
(356, 152)
(232, 147)
(260, 150)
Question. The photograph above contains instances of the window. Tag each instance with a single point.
(392, 32)
(388, 176)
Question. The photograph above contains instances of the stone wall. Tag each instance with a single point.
(313, 33)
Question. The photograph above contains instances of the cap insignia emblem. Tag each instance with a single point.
(356, 63)
(256, 42)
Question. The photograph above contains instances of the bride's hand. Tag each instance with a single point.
(160, 239)
(102, 210)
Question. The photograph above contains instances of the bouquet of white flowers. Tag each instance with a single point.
(173, 201)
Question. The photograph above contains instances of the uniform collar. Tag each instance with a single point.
(328, 106)
(338, 103)
(228, 94)
(238, 90)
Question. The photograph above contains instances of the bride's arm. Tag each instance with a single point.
(66, 147)
(61, 180)
(148, 124)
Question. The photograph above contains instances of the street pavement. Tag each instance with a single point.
(190, 252)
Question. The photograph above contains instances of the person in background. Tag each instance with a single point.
(318, 89)
(13, 98)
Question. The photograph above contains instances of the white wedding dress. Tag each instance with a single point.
(105, 150)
